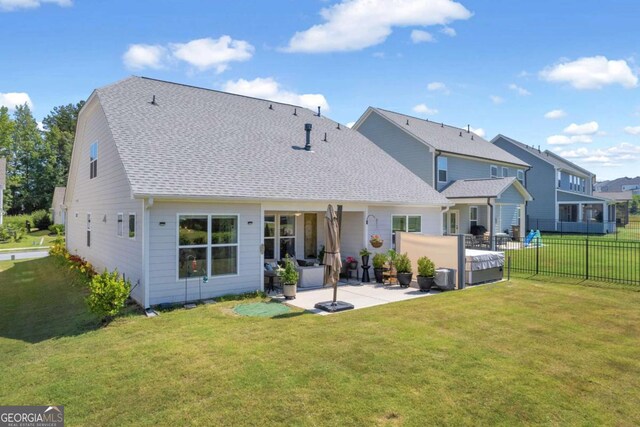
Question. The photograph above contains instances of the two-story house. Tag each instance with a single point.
(562, 192)
(485, 182)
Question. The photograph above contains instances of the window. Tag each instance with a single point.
(559, 179)
(132, 226)
(287, 229)
(88, 230)
(443, 165)
(583, 185)
(207, 245)
(520, 176)
(93, 160)
(473, 216)
(409, 223)
(505, 172)
(570, 182)
(269, 236)
(568, 213)
(493, 170)
(120, 229)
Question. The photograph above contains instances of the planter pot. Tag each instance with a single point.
(365, 260)
(376, 243)
(425, 283)
(289, 291)
(353, 266)
(404, 279)
(377, 272)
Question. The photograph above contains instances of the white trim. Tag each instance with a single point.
(446, 170)
(477, 215)
(261, 269)
(407, 222)
(456, 213)
(118, 223)
(146, 225)
(505, 172)
(88, 237)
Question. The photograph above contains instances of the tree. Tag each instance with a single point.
(60, 128)
(6, 134)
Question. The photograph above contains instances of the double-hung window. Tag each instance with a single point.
(132, 226)
(93, 160)
(473, 216)
(559, 179)
(505, 172)
(207, 245)
(120, 227)
(520, 176)
(493, 171)
(443, 166)
(408, 223)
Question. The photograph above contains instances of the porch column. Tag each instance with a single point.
(522, 221)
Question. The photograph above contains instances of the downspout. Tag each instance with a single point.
(435, 170)
(146, 204)
(491, 219)
(442, 212)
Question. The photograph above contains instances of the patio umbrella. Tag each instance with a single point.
(332, 261)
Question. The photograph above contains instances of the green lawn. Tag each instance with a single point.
(513, 353)
(31, 240)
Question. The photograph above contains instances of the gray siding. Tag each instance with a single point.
(104, 197)
(163, 253)
(511, 195)
(431, 222)
(413, 154)
(469, 168)
(540, 182)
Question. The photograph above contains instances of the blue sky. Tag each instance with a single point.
(500, 66)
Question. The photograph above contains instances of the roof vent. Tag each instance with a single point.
(307, 129)
(472, 137)
(407, 122)
(468, 128)
(270, 106)
(319, 111)
(153, 100)
(325, 137)
(442, 124)
(295, 111)
(338, 127)
(460, 133)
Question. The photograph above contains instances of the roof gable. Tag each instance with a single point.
(483, 187)
(201, 143)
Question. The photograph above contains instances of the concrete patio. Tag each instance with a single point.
(360, 295)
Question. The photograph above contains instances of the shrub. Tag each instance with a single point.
(58, 248)
(289, 274)
(108, 294)
(16, 222)
(426, 268)
(379, 260)
(9, 233)
(403, 263)
(57, 229)
(41, 219)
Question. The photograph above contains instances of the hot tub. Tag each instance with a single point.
(483, 266)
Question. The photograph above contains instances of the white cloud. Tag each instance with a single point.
(520, 90)
(13, 99)
(591, 73)
(379, 55)
(449, 31)
(632, 130)
(479, 131)
(40, 126)
(438, 87)
(11, 5)
(140, 56)
(555, 114)
(612, 156)
(350, 124)
(419, 36)
(423, 109)
(496, 99)
(212, 53)
(588, 128)
(357, 24)
(567, 140)
(268, 88)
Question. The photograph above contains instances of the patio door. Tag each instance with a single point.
(279, 236)
(453, 222)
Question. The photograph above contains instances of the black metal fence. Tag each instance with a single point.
(588, 259)
(610, 230)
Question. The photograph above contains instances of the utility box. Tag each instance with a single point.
(446, 279)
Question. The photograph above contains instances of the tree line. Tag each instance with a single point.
(37, 160)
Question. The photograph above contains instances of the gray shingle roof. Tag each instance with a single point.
(618, 196)
(204, 143)
(549, 157)
(447, 138)
(3, 173)
(484, 187)
(58, 197)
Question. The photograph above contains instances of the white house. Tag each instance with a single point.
(169, 183)
(3, 184)
(57, 206)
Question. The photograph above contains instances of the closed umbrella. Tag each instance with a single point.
(332, 261)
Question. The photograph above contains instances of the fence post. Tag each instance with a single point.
(537, 255)
(587, 258)
(509, 268)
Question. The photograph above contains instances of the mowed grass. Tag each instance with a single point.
(510, 353)
(31, 240)
(608, 261)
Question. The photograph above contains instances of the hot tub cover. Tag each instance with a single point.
(482, 260)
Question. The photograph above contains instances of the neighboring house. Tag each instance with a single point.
(485, 182)
(562, 192)
(622, 200)
(169, 183)
(58, 213)
(619, 185)
(3, 185)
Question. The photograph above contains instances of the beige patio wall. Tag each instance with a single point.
(442, 250)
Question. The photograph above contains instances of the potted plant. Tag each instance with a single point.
(403, 269)
(376, 241)
(289, 278)
(352, 263)
(379, 260)
(364, 253)
(426, 272)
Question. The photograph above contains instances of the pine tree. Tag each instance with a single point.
(25, 163)
(6, 133)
